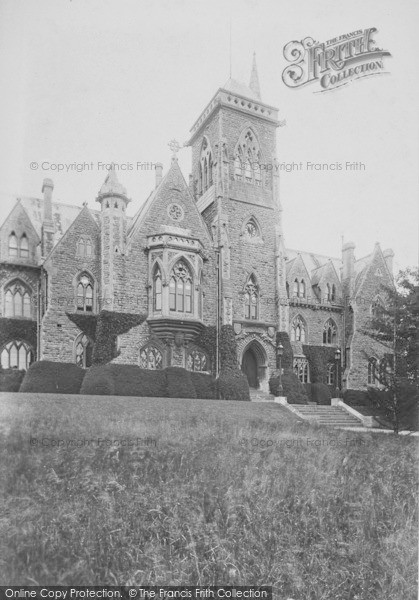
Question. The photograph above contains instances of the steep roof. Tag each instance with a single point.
(314, 261)
(63, 215)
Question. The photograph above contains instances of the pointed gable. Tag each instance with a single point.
(84, 226)
(372, 274)
(19, 222)
(170, 207)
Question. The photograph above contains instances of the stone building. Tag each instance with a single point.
(196, 253)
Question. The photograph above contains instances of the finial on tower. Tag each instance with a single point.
(254, 79)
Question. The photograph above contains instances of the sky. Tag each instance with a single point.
(91, 81)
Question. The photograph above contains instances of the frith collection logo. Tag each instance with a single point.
(335, 62)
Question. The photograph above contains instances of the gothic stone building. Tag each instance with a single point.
(197, 253)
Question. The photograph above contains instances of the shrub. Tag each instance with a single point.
(206, 340)
(47, 377)
(318, 392)
(205, 386)
(179, 383)
(124, 380)
(318, 358)
(356, 398)
(288, 356)
(10, 380)
(293, 388)
(233, 385)
(109, 326)
(398, 405)
(228, 348)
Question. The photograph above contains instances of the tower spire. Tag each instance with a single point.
(254, 79)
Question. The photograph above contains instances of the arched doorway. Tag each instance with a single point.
(254, 365)
(250, 368)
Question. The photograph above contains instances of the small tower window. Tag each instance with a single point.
(205, 167)
(247, 156)
(251, 299)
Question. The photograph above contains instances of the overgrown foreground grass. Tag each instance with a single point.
(205, 502)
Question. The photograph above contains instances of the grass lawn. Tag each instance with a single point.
(203, 492)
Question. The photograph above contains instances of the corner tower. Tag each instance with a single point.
(113, 201)
(235, 186)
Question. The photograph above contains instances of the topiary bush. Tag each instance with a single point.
(124, 380)
(205, 386)
(233, 385)
(320, 393)
(47, 377)
(10, 380)
(293, 388)
(287, 359)
(356, 398)
(109, 325)
(179, 383)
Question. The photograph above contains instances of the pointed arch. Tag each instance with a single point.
(85, 292)
(180, 287)
(16, 354)
(157, 288)
(247, 157)
(377, 306)
(373, 365)
(302, 290)
(152, 356)
(299, 330)
(330, 332)
(17, 299)
(24, 246)
(83, 351)
(251, 298)
(13, 245)
(205, 166)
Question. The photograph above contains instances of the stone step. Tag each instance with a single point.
(332, 416)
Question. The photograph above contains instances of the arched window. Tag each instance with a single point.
(333, 292)
(331, 373)
(330, 332)
(287, 286)
(372, 371)
(80, 247)
(157, 290)
(197, 361)
(89, 247)
(301, 369)
(16, 355)
(377, 307)
(151, 358)
(298, 330)
(85, 293)
(205, 167)
(328, 293)
(180, 288)
(247, 158)
(13, 245)
(83, 351)
(17, 300)
(251, 299)
(302, 292)
(295, 288)
(24, 246)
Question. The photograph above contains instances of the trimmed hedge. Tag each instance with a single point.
(233, 385)
(179, 383)
(318, 358)
(85, 322)
(205, 386)
(318, 392)
(18, 329)
(124, 380)
(109, 325)
(47, 377)
(356, 398)
(228, 348)
(10, 380)
(207, 341)
(292, 387)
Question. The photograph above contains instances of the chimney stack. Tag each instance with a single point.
(47, 188)
(388, 256)
(348, 268)
(159, 174)
(48, 228)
